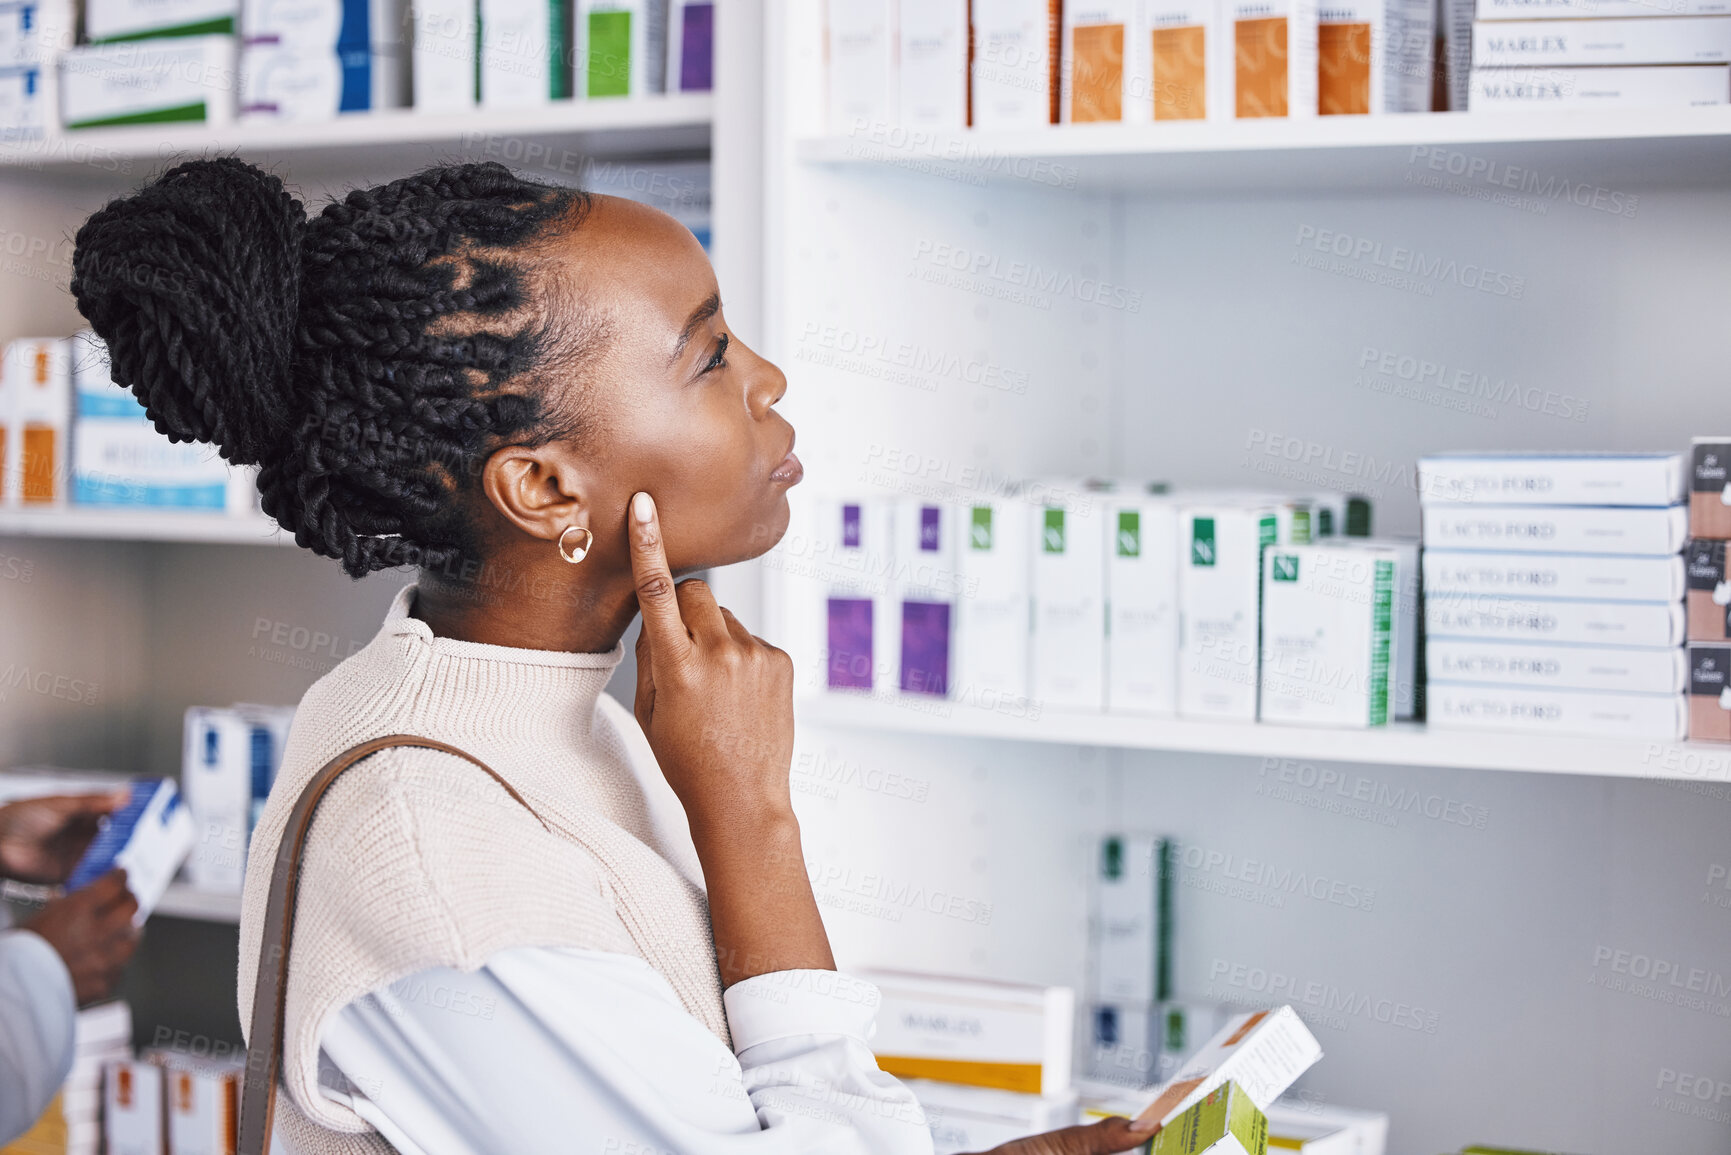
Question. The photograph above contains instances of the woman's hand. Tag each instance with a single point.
(1108, 1135)
(715, 702)
(717, 706)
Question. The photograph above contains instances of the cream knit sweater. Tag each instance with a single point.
(418, 859)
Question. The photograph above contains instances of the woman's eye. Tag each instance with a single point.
(719, 357)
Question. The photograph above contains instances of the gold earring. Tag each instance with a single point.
(576, 555)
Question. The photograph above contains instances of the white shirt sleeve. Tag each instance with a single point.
(548, 1050)
(37, 1010)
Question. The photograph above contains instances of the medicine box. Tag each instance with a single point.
(1263, 1052)
(1223, 1122)
(124, 462)
(216, 777)
(1655, 86)
(1582, 9)
(691, 46)
(149, 836)
(526, 53)
(1709, 693)
(933, 73)
(1355, 74)
(1142, 604)
(445, 39)
(1132, 920)
(1269, 56)
(132, 1120)
(1710, 487)
(107, 21)
(1556, 529)
(201, 1102)
(1552, 478)
(1457, 706)
(861, 629)
(1616, 670)
(926, 588)
(1016, 58)
(1186, 71)
(1536, 620)
(190, 78)
(1328, 634)
(862, 44)
(36, 410)
(1068, 651)
(624, 47)
(992, 631)
(23, 107)
(1010, 1036)
(1709, 591)
(1549, 575)
(1219, 597)
(1551, 43)
(1104, 74)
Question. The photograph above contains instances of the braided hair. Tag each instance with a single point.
(367, 360)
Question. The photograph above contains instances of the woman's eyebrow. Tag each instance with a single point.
(711, 305)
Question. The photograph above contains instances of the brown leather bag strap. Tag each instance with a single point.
(264, 1044)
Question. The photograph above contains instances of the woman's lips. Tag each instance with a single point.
(789, 471)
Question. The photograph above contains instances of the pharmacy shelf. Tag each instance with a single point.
(554, 140)
(183, 901)
(140, 525)
(1401, 744)
(1540, 155)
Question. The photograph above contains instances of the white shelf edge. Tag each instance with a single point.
(182, 900)
(1082, 141)
(93, 147)
(143, 525)
(1400, 744)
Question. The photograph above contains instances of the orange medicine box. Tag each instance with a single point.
(1105, 72)
(1270, 58)
(36, 414)
(1184, 41)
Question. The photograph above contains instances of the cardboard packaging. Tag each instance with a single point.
(1549, 575)
(1126, 1047)
(1142, 605)
(1328, 634)
(1269, 57)
(1556, 529)
(1068, 651)
(309, 60)
(985, 1034)
(1574, 623)
(446, 45)
(1374, 56)
(1549, 44)
(1709, 595)
(201, 1103)
(1599, 9)
(36, 410)
(691, 46)
(1264, 1053)
(624, 47)
(526, 51)
(150, 836)
(216, 777)
(1610, 670)
(965, 1118)
(1709, 693)
(1453, 706)
(863, 86)
(1314, 1128)
(861, 638)
(23, 107)
(1552, 478)
(1413, 55)
(1133, 920)
(1659, 86)
(1016, 62)
(132, 1119)
(1104, 76)
(123, 462)
(926, 590)
(1219, 600)
(189, 78)
(1223, 1122)
(1710, 487)
(108, 21)
(992, 633)
(1187, 70)
(933, 73)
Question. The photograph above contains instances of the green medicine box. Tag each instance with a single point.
(1224, 1122)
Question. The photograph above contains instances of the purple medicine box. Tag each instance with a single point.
(926, 648)
(697, 48)
(850, 643)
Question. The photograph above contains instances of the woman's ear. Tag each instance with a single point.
(537, 489)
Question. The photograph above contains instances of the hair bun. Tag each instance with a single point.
(194, 283)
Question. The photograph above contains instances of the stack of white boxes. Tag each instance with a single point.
(1554, 592)
(229, 759)
(151, 62)
(1600, 54)
(304, 61)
